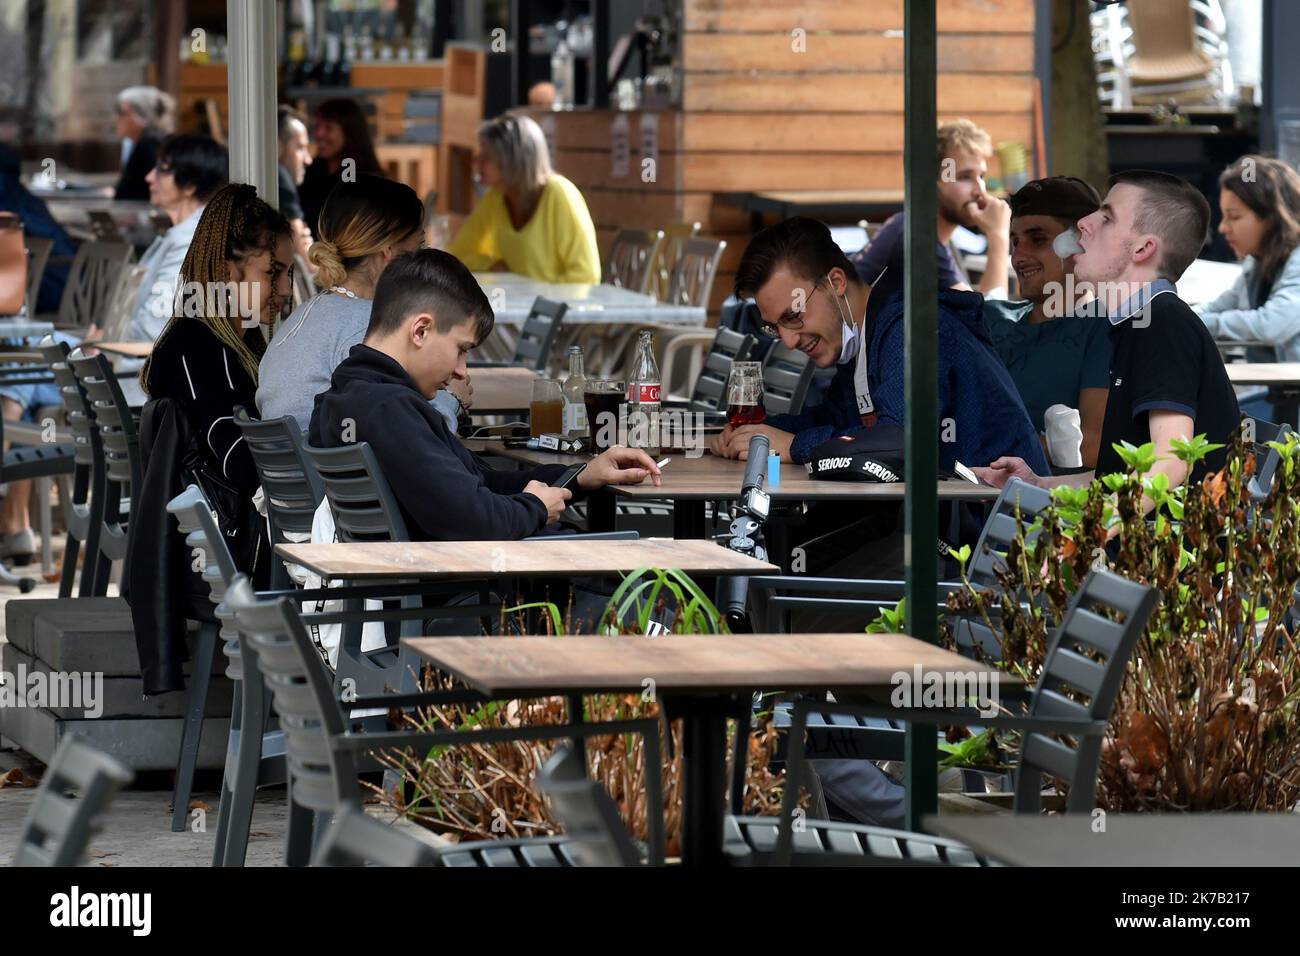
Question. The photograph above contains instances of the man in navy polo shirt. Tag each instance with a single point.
(1167, 379)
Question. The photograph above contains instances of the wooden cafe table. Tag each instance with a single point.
(703, 679)
(691, 482)
(541, 557)
(1129, 840)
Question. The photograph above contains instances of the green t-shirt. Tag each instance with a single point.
(1052, 362)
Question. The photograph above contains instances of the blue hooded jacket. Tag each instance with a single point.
(988, 419)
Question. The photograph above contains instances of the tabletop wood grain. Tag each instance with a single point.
(694, 664)
(543, 558)
(711, 478)
(1130, 839)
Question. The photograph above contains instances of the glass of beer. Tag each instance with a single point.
(745, 394)
(546, 411)
(603, 398)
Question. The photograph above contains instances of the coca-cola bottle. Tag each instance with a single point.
(643, 397)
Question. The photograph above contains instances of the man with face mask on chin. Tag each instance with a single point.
(809, 295)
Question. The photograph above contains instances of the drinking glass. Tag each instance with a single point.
(603, 398)
(546, 411)
(745, 394)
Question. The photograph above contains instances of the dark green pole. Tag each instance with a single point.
(920, 507)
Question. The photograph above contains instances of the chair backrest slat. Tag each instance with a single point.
(589, 814)
(787, 373)
(323, 778)
(537, 337)
(58, 828)
(710, 392)
(363, 504)
(632, 259)
(1068, 674)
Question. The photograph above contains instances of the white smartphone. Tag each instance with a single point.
(965, 472)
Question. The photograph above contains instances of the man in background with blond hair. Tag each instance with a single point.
(964, 151)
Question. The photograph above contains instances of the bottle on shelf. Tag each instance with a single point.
(574, 389)
(562, 73)
(643, 393)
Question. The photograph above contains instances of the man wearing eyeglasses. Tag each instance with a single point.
(810, 296)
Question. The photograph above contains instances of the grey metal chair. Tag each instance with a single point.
(323, 754)
(97, 270)
(1087, 656)
(290, 483)
(38, 256)
(844, 736)
(787, 374)
(58, 827)
(589, 814)
(355, 839)
(632, 259)
(691, 280)
(123, 461)
(212, 627)
(254, 753)
(536, 338)
(709, 394)
(84, 500)
(31, 462)
(1266, 459)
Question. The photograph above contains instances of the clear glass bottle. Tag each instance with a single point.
(575, 386)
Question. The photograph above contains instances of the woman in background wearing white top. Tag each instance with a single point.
(363, 226)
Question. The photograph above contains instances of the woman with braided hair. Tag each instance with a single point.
(237, 277)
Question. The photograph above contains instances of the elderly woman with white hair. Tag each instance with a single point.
(144, 116)
(532, 221)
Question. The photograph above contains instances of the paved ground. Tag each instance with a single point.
(137, 829)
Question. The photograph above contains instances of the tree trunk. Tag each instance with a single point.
(1078, 133)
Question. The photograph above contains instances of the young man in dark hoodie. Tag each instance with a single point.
(428, 313)
(811, 297)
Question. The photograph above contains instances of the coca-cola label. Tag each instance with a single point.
(644, 394)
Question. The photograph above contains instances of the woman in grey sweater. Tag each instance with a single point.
(362, 226)
(1260, 202)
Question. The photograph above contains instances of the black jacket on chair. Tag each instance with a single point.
(159, 581)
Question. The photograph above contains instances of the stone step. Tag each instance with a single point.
(121, 696)
(141, 744)
(21, 615)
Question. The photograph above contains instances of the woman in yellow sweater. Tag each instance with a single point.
(532, 221)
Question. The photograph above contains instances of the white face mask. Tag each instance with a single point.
(849, 341)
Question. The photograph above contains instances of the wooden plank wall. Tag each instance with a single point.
(759, 114)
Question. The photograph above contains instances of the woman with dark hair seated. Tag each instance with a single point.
(236, 280)
(189, 172)
(342, 134)
(1260, 202)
